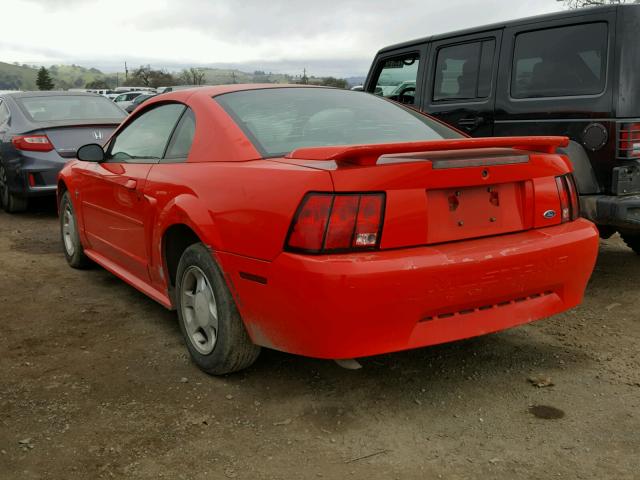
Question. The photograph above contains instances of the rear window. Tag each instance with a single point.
(562, 61)
(70, 107)
(281, 120)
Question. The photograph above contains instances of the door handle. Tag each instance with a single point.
(128, 183)
(470, 123)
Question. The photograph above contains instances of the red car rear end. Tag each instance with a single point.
(458, 239)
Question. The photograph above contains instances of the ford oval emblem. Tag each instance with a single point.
(549, 214)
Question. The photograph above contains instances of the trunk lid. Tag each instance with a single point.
(450, 190)
(67, 139)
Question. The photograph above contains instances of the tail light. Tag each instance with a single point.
(569, 205)
(629, 140)
(32, 143)
(340, 222)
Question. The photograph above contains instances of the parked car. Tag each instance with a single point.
(573, 73)
(139, 100)
(325, 222)
(125, 99)
(39, 132)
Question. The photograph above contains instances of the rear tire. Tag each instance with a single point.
(209, 319)
(71, 244)
(10, 202)
(632, 240)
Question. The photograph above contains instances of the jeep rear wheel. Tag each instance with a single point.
(632, 240)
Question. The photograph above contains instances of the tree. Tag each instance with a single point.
(594, 3)
(192, 76)
(333, 82)
(145, 76)
(44, 81)
(97, 85)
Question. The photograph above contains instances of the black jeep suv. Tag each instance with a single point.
(573, 73)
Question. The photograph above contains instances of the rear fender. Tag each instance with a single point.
(188, 210)
(582, 170)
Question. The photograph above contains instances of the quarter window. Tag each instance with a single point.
(464, 72)
(558, 62)
(146, 137)
(182, 138)
(397, 79)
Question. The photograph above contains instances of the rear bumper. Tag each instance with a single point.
(44, 166)
(622, 212)
(354, 305)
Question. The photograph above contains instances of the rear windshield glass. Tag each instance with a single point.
(70, 107)
(281, 120)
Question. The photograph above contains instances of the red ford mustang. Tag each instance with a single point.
(326, 223)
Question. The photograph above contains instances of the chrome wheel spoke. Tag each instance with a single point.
(188, 299)
(69, 230)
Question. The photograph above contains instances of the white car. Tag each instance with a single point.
(125, 99)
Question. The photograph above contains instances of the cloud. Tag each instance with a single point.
(277, 34)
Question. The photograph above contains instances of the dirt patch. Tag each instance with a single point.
(95, 383)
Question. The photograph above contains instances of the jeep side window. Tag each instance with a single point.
(463, 72)
(397, 79)
(561, 61)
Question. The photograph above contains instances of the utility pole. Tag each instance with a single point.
(126, 72)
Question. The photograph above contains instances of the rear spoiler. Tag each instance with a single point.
(366, 155)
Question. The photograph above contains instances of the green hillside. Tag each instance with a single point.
(23, 77)
(17, 77)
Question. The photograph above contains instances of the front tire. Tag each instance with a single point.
(209, 319)
(71, 244)
(632, 240)
(10, 202)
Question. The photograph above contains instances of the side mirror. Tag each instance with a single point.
(91, 153)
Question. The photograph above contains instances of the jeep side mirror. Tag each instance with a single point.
(91, 153)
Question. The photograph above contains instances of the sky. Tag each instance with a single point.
(327, 37)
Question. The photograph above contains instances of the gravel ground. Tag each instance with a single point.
(95, 383)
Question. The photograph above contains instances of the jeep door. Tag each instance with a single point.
(460, 81)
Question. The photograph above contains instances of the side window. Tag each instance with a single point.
(120, 98)
(397, 79)
(145, 138)
(182, 139)
(464, 72)
(561, 61)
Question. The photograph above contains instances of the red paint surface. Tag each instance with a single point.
(431, 281)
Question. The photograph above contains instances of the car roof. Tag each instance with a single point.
(510, 23)
(215, 90)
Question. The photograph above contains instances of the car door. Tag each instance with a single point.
(460, 84)
(116, 213)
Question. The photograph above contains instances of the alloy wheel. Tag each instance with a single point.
(199, 310)
(69, 230)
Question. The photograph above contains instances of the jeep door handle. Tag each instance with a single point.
(471, 122)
